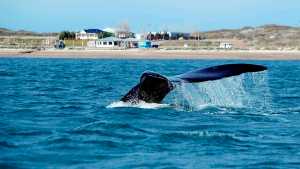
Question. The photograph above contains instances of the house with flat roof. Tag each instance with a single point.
(88, 34)
(109, 42)
(113, 42)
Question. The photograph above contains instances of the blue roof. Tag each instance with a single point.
(93, 30)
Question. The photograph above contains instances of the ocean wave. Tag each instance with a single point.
(5, 73)
(141, 105)
(201, 135)
(7, 144)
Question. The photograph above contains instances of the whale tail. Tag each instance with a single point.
(153, 87)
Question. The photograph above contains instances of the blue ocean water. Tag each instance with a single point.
(64, 113)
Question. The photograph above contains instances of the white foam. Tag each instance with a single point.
(141, 105)
(247, 90)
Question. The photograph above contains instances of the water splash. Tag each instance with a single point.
(250, 90)
(247, 90)
(141, 104)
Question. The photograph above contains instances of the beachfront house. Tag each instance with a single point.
(87, 34)
(113, 42)
(226, 45)
(109, 42)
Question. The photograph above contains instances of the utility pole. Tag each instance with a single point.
(198, 39)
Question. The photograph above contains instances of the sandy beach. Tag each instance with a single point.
(155, 54)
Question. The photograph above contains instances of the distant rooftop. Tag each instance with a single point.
(93, 30)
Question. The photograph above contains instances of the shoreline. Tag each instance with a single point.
(154, 54)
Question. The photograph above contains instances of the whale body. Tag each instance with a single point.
(153, 87)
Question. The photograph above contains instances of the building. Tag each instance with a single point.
(225, 45)
(124, 34)
(113, 42)
(88, 34)
(109, 42)
(140, 36)
(130, 43)
(119, 33)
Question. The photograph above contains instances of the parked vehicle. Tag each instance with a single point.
(59, 44)
(144, 44)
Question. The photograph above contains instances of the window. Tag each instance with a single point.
(110, 43)
(115, 43)
(104, 43)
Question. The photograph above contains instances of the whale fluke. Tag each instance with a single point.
(153, 87)
(217, 72)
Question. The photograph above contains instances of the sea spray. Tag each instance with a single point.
(247, 90)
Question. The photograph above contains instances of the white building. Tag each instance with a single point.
(140, 36)
(109, 42)
(226, 45)
(88, 34)
(113, 42)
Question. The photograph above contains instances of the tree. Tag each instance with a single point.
(72, 35)
(157, 36)
(166, 36)
(105, 34)
(66, 35)
(150, 36)
(180, 36)
(62, 35)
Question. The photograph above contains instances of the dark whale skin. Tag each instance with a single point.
(152, 88)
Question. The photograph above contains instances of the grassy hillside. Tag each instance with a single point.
(8, 32)
(263, 37)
